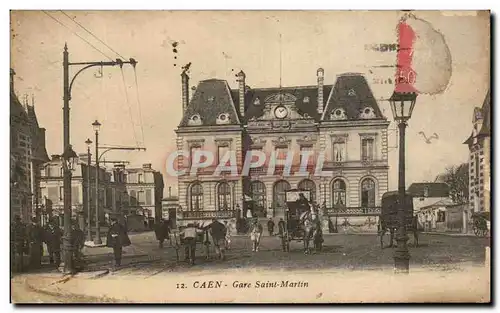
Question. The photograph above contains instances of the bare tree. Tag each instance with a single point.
(457, 177)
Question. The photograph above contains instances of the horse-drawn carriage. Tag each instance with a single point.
(480, 221)
(389, 217)
(301, 223)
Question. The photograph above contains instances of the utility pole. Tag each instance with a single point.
(89, 213)
(69, 154)
(68, 251)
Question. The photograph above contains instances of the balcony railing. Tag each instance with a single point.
(186, 215)
(353, 211)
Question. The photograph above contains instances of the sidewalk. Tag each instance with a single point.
(164, 287)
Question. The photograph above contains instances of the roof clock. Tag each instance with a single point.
(280, 112)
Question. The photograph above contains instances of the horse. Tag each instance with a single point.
(384, 228)
(217, 231)
(312, 228)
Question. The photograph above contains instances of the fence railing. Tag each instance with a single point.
(353, 211)
(208, 214)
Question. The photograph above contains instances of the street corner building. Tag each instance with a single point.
(341, 121)
(27, 156)
(134, 192)
(479, 144)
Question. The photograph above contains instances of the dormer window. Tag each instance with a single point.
(367, 113)
(223, 118)
(256, 101)
(351, 92)
(211, 99)
(306, 99)
(338, 114)
(195, 120)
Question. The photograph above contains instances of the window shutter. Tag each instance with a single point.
(148, 197)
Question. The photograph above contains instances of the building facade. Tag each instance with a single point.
(144, 187)
(341, 125)
(52, 189)
(27, 154)
(479, 144)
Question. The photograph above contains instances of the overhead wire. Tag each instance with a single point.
(74, 33)
(92, 34)
(139, 104)
(129, 107)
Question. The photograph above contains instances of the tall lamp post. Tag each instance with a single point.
(402, 105)
(88, 142)
(97, 126)
(69, 159)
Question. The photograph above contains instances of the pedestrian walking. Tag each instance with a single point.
(270, 226)
(78, 242)
(53, 239)
(255, 234)
(281, 227)
(227, 241)
(189, 235)
(162, 232)
(35, 242)
(117, 238)
(18, 242)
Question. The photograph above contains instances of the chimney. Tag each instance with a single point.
(241, 87)
(185, 90)
(146, 166)
(320, 73)
(12, 74)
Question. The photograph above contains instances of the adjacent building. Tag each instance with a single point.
(479, 144)
(341, 121)
(27, 155)
(144, 187)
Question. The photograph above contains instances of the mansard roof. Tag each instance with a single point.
(306, 99)
(486, 127)
(211, 99)
(352, 94)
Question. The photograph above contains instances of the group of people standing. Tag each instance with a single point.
(28, 239)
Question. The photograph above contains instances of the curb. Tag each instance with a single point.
(83, 298)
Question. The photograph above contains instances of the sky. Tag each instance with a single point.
(219, 44)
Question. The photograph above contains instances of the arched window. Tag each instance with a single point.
(367, 193)
(196, 203)
(224, 196)
(279, 192)
(308, 184)
(258, 192)
(339, 193)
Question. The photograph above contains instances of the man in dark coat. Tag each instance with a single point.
(270, 226)
(281, 227)
(18, 243)
(78, 242)
(52, 238)
(117, 238)
(35, 241)
(162, 232)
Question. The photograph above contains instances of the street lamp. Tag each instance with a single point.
(97, 126)
(88, 142)
(69, 160)
(402, 105)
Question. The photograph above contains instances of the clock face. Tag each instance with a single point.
(280, 112)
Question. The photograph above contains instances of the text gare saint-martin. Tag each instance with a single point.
(201, 159)
(216, 284)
